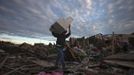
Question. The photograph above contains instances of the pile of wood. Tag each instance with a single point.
(11, 64)
(22, 59)
(25, 59)
(121, 59)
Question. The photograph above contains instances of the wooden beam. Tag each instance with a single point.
(14, 70)
(3, 62)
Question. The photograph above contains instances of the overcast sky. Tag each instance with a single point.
(33, 18)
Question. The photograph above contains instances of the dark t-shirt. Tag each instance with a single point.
(61, 38)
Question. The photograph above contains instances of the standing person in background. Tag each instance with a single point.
(60, 44)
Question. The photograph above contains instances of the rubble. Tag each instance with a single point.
(26, 59)
(20, 59)
(122, 61)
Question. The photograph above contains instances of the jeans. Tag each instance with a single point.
(60, 57)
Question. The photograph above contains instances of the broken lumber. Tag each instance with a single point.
(2, 63)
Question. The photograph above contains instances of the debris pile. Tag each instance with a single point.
(22, 59)
(96, 55)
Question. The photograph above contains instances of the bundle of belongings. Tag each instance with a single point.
(61, 25)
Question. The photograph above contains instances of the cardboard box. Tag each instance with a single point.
(61, 25)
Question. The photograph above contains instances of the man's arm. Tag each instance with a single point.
(67, 35)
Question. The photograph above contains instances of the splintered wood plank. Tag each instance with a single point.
(3, 62)
(129, 56)
(14, 70)
(121, 63)
(43, 63)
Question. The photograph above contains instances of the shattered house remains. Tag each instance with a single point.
(111, 54)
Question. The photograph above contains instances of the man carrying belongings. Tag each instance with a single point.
(59, 30)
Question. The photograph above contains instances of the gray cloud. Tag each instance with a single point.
(32, 18)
